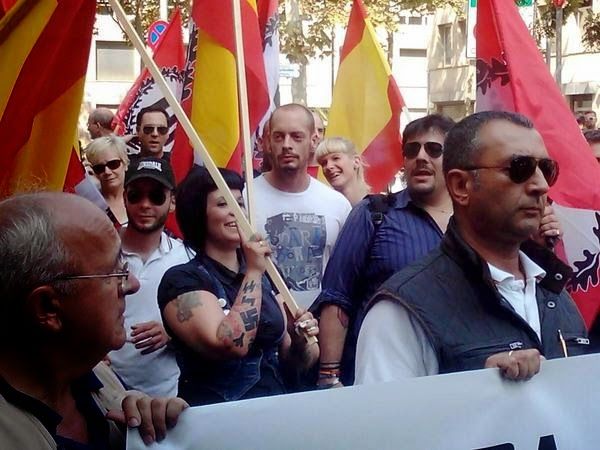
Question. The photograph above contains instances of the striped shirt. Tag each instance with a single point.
(365, 256)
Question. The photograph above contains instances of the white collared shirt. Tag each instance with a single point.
(156, 373)
(521, 293)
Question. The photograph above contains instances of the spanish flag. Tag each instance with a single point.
(214, 88)
(512, 76)
(44, 48)
(366, 102)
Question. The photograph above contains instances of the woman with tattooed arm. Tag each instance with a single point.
(230, 331)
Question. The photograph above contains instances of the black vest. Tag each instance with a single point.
(450, 293)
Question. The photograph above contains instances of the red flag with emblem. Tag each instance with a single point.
(512, 76)
(169, 56)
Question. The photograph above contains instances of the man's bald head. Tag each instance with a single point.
(293, 107)
(100, 122)
(40, 238)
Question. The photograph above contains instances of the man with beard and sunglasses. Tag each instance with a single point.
(488, 296)
(378, 240)
(145, 362)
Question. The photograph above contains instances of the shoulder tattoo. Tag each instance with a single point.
(185, 303)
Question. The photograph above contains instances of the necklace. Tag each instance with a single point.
(443, 211)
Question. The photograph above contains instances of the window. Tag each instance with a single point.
(446, 43)
(581, 102)
(413, 53)
(415, 20)
(115, 61)
(402, 19)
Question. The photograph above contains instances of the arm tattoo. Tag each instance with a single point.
(248, 300)
(249, 287)
(185, 303)
(239, 342)
(250, 318)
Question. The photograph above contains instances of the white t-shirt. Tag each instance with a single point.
(302, 228)
(392, 344)
(156, 373)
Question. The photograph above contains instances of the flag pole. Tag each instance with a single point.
(244, 112)
(199, 147)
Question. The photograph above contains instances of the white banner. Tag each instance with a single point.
(557, 409)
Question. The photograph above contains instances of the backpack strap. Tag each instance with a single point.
(379, 205)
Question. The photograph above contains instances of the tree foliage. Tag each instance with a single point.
(546, 20)
(144, 12)
(591, 31)
(308, 33)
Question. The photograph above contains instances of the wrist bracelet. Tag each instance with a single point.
(328, 385)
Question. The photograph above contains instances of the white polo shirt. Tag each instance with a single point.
(157, 373)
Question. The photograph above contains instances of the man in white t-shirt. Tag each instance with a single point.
(145, 362)
(300, 216)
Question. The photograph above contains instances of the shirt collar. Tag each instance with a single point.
(531, 269)
(223, 273)
(165, 246)
(49, 418)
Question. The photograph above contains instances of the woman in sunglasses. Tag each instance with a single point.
(343, 167)
(108, 157)
(230, 332)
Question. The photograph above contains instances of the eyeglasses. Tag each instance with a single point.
(156, 196)
(148, 129)
(122, 274)
(113, 164)
(412, 149)
(522, 168)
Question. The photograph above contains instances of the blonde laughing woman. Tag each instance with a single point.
(343, 168)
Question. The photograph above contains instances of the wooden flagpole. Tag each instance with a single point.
(199, 147)
(244, 110)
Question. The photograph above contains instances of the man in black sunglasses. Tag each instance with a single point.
(488, 297)
(62, 296)
(145, 362)
(152, 125)
(380, 237)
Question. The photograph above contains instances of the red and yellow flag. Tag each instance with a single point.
(366, 102)
(213, 97)
(44, 48)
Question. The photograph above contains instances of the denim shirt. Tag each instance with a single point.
(205, 381)
(364, 257)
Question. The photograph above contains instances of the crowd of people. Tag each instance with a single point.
(110, 326)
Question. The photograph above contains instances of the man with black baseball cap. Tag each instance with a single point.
(145, 362)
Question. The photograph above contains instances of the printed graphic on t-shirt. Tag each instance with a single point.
(298, 242)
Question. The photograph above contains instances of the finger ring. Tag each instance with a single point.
(311, 329)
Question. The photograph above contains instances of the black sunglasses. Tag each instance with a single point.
(156, 196)
(113, 164)
(412, 149)
(150, 129)
(522, 168)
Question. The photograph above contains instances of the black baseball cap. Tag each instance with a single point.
(155, 168)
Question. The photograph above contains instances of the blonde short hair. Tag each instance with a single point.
(101, 144)
(343, 145)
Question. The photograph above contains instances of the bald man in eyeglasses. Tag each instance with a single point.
(488, 296)
(63, 284)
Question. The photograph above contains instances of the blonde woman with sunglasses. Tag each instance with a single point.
(343, 168)
(108, 157)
